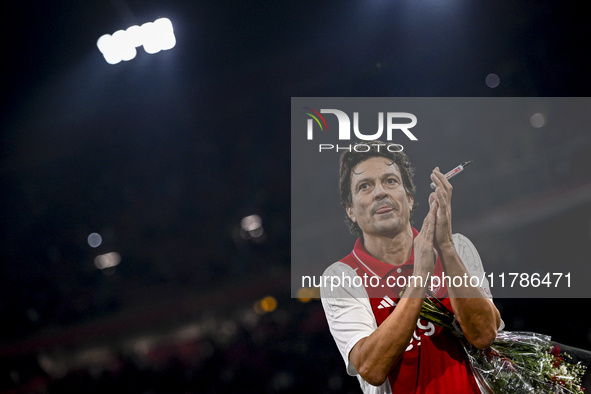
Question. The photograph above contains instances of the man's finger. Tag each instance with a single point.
(442, 198)
(428, 223)
(443, 181)
(432, 198)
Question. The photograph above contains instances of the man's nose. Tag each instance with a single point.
(379, 192)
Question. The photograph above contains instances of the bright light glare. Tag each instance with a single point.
(251, 222)
(107, 260)
(134, 34)
(165, 33)
(251, 227)
(107, 46)
(150, 38)
(94, 240)
(104, 43)
(122, 45)
(153, 36)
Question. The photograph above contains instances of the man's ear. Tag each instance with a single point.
(351, 214)
(411, 202)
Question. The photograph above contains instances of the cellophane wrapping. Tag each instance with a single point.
(517, 362)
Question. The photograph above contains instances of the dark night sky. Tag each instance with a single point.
(164, 154)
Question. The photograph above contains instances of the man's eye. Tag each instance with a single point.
(392, 181)
(363, 186)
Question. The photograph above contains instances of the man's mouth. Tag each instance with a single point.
(384, 210)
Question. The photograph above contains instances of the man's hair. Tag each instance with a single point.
(349, 159)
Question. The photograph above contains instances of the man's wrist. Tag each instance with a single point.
(447, 247)
(424, 274)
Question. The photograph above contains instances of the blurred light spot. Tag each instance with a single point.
(229, 328)
(306, 294)
(95, 240)
(153, 36)
(149, 38)
(122, 45)
(492, 80)
(107, 260)
(33, 315)
(245, 234)
(158, 36)
(267, 304)
(226, 332)
(251, 227)
(94, 359)
(209, 324)
(143, 346)
(189, 332)
(52, 367)
(257, 232)
(250, 319)
(14, 376)
(282, 381)
(251, 223)
(537, 120)
(134, 36)
(258, 309)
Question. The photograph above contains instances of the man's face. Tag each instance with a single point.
(379, 205)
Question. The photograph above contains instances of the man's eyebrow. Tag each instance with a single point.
(360, 181)
(382, 176)
(387, 174)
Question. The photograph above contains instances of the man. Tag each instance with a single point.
(378, 331)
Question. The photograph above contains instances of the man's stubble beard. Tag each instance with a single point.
(389, 226)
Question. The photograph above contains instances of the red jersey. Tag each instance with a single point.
(434, 361)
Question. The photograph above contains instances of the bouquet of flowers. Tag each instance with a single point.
(516, 362)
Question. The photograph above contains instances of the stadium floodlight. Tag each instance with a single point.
(153, 36)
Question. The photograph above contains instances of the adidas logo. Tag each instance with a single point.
(386, 303)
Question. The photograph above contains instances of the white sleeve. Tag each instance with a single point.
(471, 259)
(347, 309)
